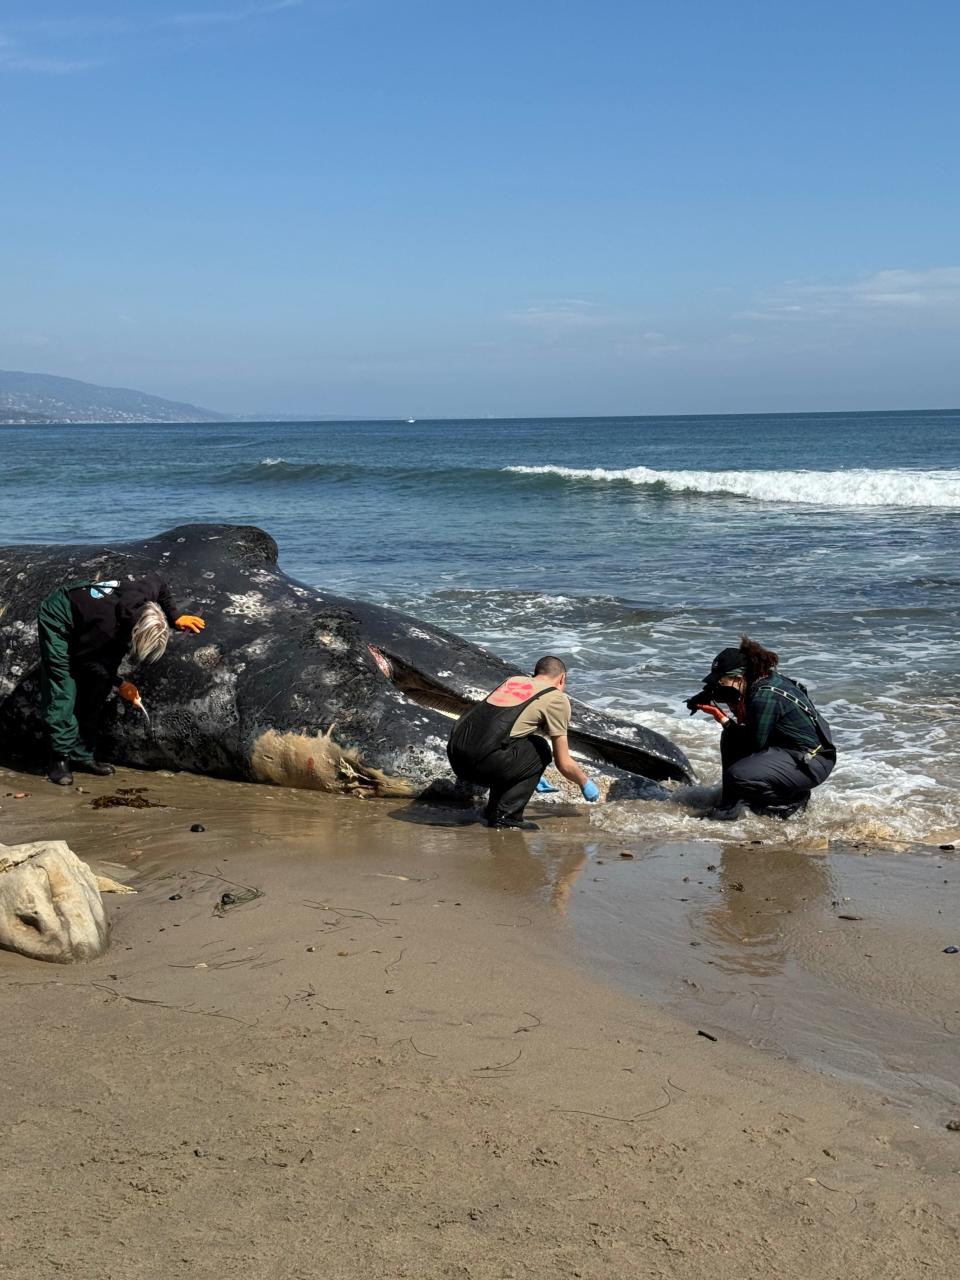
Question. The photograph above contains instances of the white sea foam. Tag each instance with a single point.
(857, 487)
(868, 799)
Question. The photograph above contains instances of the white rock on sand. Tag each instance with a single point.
(50, 905)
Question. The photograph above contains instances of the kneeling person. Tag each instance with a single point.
(501, 742)
(776, 747)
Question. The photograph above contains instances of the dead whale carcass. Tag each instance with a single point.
(292, 685)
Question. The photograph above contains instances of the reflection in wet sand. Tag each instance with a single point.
(747, 928)
(835, 960)
(544, 868)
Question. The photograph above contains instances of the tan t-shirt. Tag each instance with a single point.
(548, 716)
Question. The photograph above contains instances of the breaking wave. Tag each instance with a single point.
(857, 487)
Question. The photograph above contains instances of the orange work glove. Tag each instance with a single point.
(721, 717)
(187, 622)
(129, 692)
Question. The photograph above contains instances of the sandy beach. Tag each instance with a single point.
(426, 1050)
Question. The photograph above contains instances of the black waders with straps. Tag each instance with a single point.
(778, 779)
(482, 751)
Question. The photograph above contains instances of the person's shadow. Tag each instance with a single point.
(431, 814)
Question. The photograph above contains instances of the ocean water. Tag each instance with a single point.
(636, 548)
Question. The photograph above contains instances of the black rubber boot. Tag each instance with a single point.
(727, 813)
(94, 766)
(785, 811)
(511, 824)
(59, 772)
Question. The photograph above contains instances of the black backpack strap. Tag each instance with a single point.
(805, 704)
(521, 706)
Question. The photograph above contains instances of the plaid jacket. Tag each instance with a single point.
(777, 721)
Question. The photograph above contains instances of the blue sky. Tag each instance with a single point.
(435, 207)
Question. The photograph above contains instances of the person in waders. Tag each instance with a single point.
(775, 746)
(500, 743)
(85, 630)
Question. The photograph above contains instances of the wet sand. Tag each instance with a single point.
(427, 1049)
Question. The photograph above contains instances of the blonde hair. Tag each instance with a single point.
(148, 642)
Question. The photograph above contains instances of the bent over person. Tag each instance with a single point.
(85, 630)
(500, 743)
(776, 747)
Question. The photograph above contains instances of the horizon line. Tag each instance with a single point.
(333, 419)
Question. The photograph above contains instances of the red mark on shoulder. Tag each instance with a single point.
(511, 692)
(310, 765)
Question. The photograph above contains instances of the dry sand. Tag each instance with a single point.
(401, 1060)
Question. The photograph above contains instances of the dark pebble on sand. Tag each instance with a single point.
(950, 951)
(175, 897)
(707, 1036)
(198, 826)
(711, 866)
(227, 899)
(849, 917)
(953, 1126)
(946, 846)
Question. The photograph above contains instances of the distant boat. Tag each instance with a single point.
(411, 419)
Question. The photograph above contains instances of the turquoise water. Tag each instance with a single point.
(635, 547)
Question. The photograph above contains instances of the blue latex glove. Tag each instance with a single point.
(543, 786)
(590, 791)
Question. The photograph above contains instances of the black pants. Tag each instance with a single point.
(766, 779)
(511, 772)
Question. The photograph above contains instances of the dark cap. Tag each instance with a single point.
(728, 662)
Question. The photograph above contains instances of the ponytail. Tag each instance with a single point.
(759, 661)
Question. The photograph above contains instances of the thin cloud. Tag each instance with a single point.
(578, 325)
(647, 345)
(938, 287)
(934, 292)
(561, 315)
(60, 28)
(218, 17)
(14, 58)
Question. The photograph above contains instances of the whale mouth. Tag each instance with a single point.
(419, 688)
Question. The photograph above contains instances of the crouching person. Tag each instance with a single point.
(776, 747)
(500, 743)
(85, 630)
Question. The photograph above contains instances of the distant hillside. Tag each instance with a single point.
(41, 397)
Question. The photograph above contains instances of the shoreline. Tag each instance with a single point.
(412, 1056)
(831, 957)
